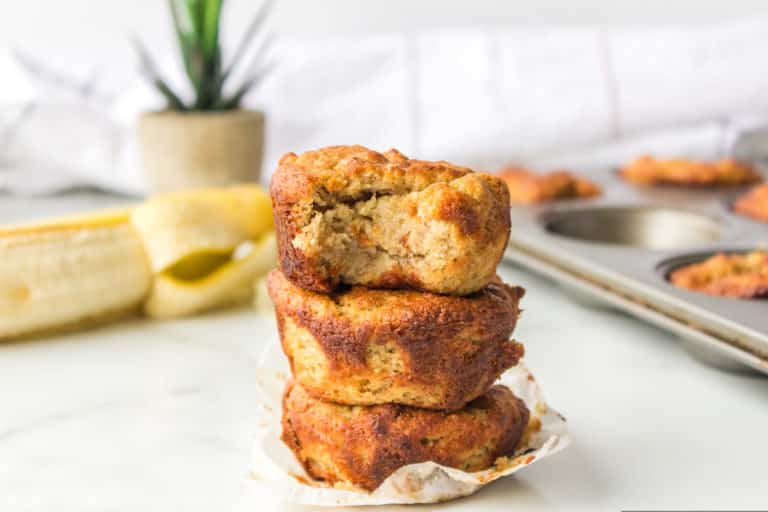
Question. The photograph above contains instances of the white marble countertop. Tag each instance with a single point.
(159, 416)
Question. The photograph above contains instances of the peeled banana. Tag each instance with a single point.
(70, 272)
(174, 255)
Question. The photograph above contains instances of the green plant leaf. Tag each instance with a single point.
(233, 101)
(197, 27)
(186, 21)
(211, 20)
(150, 71)
(250, 34)
(256, 60)
(211, 86)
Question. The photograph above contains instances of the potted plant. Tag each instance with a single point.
(206, 140)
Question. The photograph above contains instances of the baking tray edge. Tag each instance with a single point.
(641, 309)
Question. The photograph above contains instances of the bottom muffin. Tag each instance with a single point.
(362, 445)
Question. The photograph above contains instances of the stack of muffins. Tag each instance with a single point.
(391, 314)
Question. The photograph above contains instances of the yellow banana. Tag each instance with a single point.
(231, 282)
(70, 272)
(192, 240)
(210, 221)
(175, 254)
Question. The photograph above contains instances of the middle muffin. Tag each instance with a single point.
(363, 346)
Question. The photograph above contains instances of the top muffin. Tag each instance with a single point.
(349, 215)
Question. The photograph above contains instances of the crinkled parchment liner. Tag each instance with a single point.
(426, 482)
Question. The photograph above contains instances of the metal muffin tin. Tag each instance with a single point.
(618, 249)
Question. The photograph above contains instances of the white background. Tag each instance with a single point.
(93, 22)
(717, 73)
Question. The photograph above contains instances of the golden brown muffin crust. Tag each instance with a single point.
(349, 172)
(649, 171)
(362, 446)
(527, 187)
(366, 346)
(753, 204)
(741, 276)
(346, 214)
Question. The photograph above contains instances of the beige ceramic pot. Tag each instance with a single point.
(199, 149)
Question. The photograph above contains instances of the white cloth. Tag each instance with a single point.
(558, 96)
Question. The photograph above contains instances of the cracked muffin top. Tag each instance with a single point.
(350, 172)
(349, 215)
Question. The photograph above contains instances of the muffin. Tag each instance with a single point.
(358, 446)
(740, 276)
(365, 346)
(753, 204)
(528, 187)
(349, 215)
(647, 170)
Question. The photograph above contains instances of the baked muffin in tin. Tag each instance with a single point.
(649, 171)
(753, 204)
(528, 187)
(738, 276)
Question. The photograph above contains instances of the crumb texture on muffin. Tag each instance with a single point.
(741, 276)
(366, 346)
(362, 446)
(527, 187)
(647, 170)
(754, 204)
(349, 215)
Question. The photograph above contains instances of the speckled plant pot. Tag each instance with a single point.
(199, 149)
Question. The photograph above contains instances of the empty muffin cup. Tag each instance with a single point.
(656, 228)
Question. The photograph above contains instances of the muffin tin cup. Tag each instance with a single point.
(634, 226)
(618, 249)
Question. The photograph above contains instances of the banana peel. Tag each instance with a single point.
(176, 254)
(195, 241)
(212, 221)
(231, 282)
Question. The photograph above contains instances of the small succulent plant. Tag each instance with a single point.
(196, 23)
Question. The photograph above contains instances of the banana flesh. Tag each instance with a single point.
(69, 272)
(174, 255)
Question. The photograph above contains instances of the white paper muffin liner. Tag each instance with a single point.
(426, 482)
